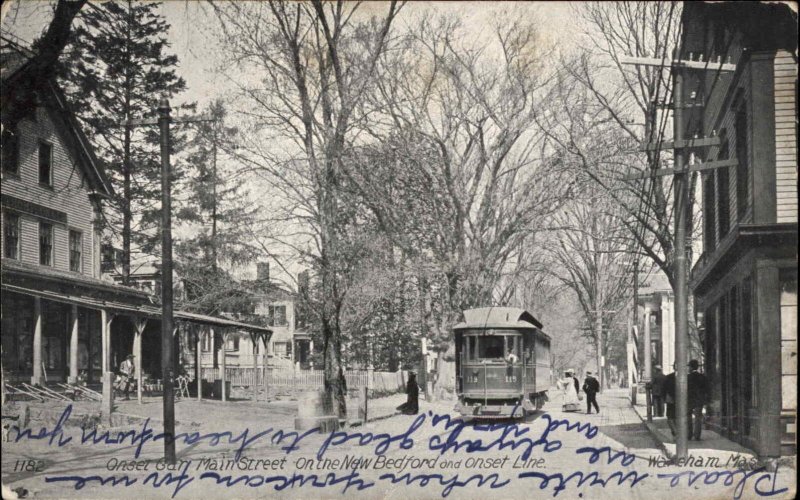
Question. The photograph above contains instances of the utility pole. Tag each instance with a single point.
(167, 321)
(680, 174)
(681, 283)
(167, 369)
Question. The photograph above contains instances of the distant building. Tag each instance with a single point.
(745, 282)
(145, 272)
(275, 307)
(657, 321)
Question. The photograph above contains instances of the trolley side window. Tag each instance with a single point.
(472, 347)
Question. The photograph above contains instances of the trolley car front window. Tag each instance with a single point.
(491, 347)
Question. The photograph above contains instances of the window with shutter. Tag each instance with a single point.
(709, 213)
(743, 167)
(10, 235)
(75, 247)
(45, 244)
(723, 190)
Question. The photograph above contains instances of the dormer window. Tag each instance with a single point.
(45, 164)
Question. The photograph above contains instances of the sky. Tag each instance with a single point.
(194, 29)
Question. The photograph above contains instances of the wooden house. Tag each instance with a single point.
(745, 282)
(59, 316)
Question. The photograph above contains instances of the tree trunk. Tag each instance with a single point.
(126, 166)
(335, 383)
(126, 205)
(598, 328)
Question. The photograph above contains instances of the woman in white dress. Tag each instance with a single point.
(570, 394)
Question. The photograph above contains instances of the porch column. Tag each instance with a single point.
(139, 325)
(214, 363)
(648, 369)
(37, 378)
(265, 340)
(222, 354)
(254, 339)
(311, 354)
(667, 333)
(73, 346)
(105, 339)
(768, 345)
(198, 368)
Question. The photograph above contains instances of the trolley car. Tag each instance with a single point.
(503, 367)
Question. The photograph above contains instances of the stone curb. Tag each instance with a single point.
(651, 429)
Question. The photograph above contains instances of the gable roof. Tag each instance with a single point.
(14, 63)
(498, 317)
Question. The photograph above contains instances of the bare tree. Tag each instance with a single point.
(459, 179)
(592, 257)
(631, 97)
(314, 62)
(636, 100)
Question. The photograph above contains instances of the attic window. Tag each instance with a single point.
(45, 164)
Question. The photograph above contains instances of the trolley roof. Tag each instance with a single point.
(498, 317)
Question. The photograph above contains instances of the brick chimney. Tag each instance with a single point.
(262, 272)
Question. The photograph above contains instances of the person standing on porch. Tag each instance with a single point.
(127, 370)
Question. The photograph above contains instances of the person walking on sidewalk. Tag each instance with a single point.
(657, 388)
(569, 390)
(698, 396)
(591, 387)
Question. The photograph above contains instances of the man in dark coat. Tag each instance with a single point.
(697, 396)
(591, 387)
(657, 391)
(411, 406)
(669, 396)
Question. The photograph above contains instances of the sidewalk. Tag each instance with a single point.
(711, 445)
(620, 427)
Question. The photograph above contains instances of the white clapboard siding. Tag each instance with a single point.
(785, 137)
(69, 193)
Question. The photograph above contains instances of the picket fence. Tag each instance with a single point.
(241, 376)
